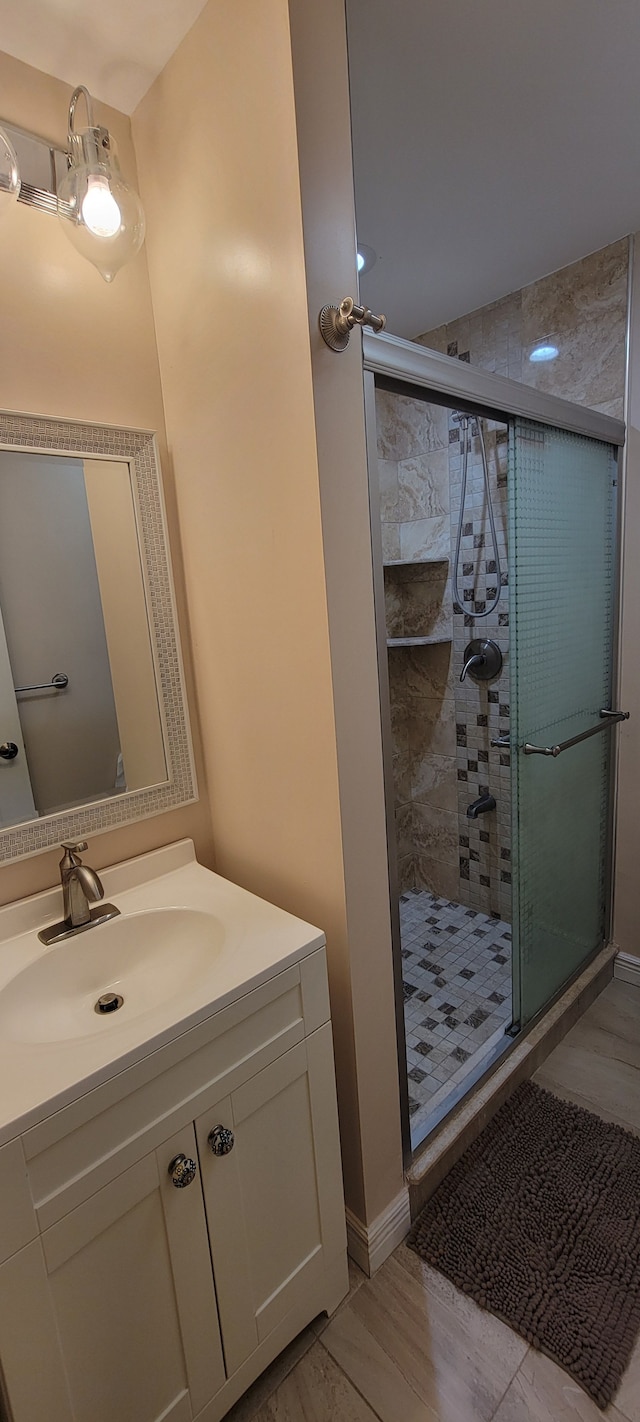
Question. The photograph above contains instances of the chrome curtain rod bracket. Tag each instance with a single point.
(337, 322)
(608, 719)
(58, 683)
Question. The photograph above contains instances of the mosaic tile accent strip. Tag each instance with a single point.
(138, 448)
(482, 708)
(456, 973)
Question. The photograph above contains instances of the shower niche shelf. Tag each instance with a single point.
(414, 562)
(435, 641)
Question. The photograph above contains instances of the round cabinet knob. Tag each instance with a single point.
(8, 750)
(183, 1171)
(221, 1140)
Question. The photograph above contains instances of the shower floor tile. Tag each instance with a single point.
(456, 972)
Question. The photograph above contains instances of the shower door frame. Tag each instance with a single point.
(408, 368)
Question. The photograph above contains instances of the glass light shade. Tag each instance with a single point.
(101, 215)
(9, 175)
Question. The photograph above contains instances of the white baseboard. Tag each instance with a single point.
(626, 967)
(370, 1245)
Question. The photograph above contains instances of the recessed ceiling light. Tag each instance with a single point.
(366, 258)
(544, 351)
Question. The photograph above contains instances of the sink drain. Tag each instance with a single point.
(109, 1002)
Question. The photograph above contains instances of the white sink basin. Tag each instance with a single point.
(148, 959)
(187, 945)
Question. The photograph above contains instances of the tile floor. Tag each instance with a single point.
(406, 1346)
(456, 971)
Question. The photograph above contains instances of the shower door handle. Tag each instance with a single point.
(608, 719)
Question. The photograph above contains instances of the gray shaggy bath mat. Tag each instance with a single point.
(539, 1222)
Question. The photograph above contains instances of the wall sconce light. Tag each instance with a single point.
(101, 215)
(99, 212)
(9, 174)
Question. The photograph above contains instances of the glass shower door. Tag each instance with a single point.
(561, 591)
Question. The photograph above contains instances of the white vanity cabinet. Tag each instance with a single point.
(128, 1295)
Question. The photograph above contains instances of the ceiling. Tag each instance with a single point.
(495, 141)
(116, 49)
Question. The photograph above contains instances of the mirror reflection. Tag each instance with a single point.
(79, 709)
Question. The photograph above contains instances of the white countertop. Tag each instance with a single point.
(251, 941)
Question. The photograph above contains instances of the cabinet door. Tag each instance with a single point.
(125, 1282)
(274, 1203)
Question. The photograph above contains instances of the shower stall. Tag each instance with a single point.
(494, 547)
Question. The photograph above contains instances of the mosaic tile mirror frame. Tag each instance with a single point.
(137, 448)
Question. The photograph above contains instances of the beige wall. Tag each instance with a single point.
(228, 282)
(626, 926)
(74, 347)
(324, 140)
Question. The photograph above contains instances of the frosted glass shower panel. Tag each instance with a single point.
(562, 566)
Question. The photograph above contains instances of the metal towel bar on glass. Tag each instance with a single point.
(608, 718)
(57, 683)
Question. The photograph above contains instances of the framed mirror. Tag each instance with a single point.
(94, 728)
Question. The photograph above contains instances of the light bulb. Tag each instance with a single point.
(100, 211)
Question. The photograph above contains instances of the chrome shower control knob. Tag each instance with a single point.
(221, 1140)
(183, 1171)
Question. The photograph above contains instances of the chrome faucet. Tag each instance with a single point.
(81, 886)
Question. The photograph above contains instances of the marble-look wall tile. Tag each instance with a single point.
(425, 538)
(407, 427)
(426, 612)
(405, 830)
(442, 879)
(393, 606)
(432, 726)
(390, 542)
(435, 833)
(422, 486)
(388, 479)
(401, 755)
(430, 671)
(434, 781)
(402, 768)
(406, 872)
